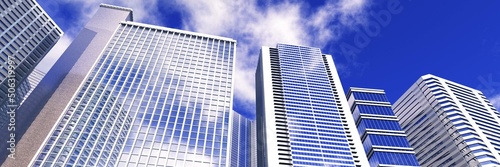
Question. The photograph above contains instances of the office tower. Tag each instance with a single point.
(449, 124)
(55, 91)
(27, 33)
(241, 141)
(174, 86)
(384, 141)
(302, 116)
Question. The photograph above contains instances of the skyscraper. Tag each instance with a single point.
(302, 116)
(241, 141)
(150, 96)
(383, 139)
(449, 124)
(51, 96)
(27, 33)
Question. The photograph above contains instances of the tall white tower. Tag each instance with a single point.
(303, 118)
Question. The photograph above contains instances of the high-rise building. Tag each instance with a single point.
(303, 118)
(384, 141)
(449, 124)
(27, 33)
(241, 141)
(132, 94)
(52, 95)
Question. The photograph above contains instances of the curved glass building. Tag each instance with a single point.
(449, 124)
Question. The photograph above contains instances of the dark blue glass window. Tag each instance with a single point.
(384, 140)
(393, 159)
(378, 124)
(370, 96)
(379, 110)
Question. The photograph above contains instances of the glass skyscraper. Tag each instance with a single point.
(27, 33)
(383, 139)
(50, 98)
(174, 86)
(241, 141)
(132, 94)
(449, 124)
(302, 116)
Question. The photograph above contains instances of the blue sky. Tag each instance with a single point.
(385, 44)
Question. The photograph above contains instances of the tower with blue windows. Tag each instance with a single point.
(383, 139)
(302, 116)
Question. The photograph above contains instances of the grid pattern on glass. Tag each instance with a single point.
(370, 96)
(380, 129)
(27, 33)
(382, 158)
(174, 87)
(317, 136)
(240, 143)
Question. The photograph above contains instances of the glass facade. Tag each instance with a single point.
(450, 124)
(307, 112)
(241, 141)
(155, 97)
(383, 139)
(317, 136)
(27, 34)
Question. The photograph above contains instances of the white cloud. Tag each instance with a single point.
(254, 26)
(495, 100)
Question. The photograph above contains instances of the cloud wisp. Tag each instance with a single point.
(495, 100)
(254, 25)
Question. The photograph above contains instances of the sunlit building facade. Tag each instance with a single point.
(384, 141)
(449, 124)
(302, 116)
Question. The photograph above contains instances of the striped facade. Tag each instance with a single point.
(383, 139)
(241, 141)
(449, 124)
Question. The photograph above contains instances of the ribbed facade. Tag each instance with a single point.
(383, 139)
(27, 33)
(253, 143)
(241, 141)
(302, 117)
(449, 124)
(155, 97)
